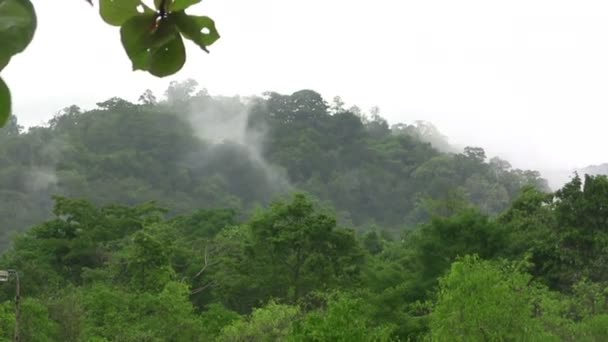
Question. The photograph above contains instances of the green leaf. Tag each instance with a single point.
(160, 51)
(5, 103)
(199, 29)
(3, 62)
(17, 27)
(180, 5)
(117, 12)
(170, 59)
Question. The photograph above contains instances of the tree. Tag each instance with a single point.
(272, 322)
(487, 301)
(147, 98)
(439, 243)
(115, 314)
(284, 252)
(152, 38)
(346, 317)
(304, 248)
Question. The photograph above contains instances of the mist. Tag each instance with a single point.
(224, 122)
(329, 170)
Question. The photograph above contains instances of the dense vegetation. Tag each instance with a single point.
(192, 151)
(283, 218)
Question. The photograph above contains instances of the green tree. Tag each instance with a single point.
(305, 249)
(486, 301)
(439, 243)
(272, 322)
(116, 314)
(347, 317)
(284, 252)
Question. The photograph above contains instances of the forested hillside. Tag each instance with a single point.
(283, 218)
(189, 150)
(291, 273)
(190, 217)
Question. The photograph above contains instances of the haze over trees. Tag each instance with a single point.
(280, 217)
(190, 217)
(187, 150)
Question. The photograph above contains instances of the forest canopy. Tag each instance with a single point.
(191, 217)
(189, 150)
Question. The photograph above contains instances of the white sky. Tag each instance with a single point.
(525, 79)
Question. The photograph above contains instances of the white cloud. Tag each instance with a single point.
(525, 79)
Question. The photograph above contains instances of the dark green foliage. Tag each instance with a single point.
(440, 242)
(193, 151)
(289, 251)
(424, 244)
(564, 235)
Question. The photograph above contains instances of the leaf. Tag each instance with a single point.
(17, 27)
(117, 12)
(3, 62)
(5, 103)
(199, 29)
(160, 51)
(180, 5)
(169, 59)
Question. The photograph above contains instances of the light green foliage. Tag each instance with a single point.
(346, 318)
(66, 308)
(592, 329)
(486, 301)
(35, 324)
(588, 299)
(81, 237)
(215, 318)
(7, 321)
(147, 259)
(270, 323)
(119, 315)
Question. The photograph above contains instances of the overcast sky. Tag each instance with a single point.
(527, 80)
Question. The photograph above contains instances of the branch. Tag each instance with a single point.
(202, 288)
(162, 11)
(205, 264)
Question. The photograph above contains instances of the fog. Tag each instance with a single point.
(223, 123)
(526, 80)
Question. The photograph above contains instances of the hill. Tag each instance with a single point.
(191, 150)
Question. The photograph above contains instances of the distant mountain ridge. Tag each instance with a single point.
(601, 169)
(557, 178)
